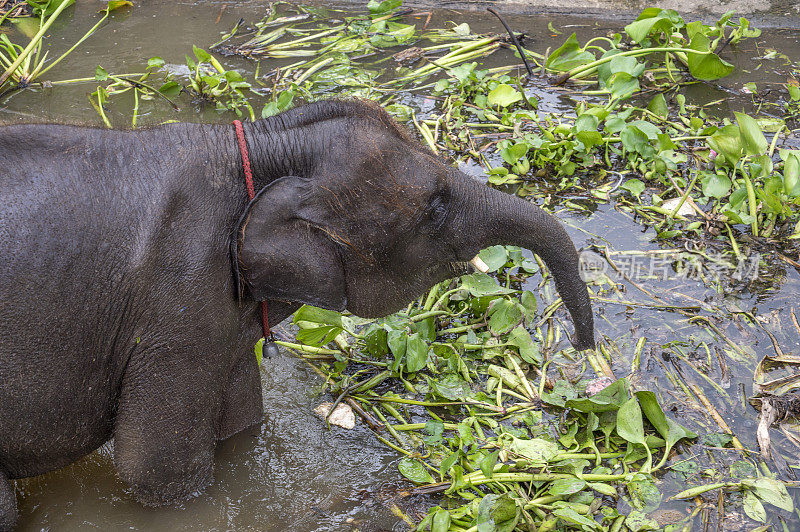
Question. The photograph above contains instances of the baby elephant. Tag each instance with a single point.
(133, 265)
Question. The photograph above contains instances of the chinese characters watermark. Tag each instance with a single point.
(669, 266)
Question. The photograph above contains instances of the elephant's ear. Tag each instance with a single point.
(280, 252)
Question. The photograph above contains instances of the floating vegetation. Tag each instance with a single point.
(122, 84)
(22, 66)
(473, 386)
(215, 84)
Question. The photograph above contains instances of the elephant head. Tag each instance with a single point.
(364, 218)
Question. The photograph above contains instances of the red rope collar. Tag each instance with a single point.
(251, 192)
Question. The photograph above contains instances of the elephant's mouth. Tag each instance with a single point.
(464, 267)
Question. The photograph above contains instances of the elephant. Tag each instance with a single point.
(134, 264)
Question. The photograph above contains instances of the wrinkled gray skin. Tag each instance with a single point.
(119, 314)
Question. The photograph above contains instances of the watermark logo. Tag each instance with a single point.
(669, 266)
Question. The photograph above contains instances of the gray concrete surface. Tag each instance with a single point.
(763, 13)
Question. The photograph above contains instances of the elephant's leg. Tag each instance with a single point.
(242, 406)
(8, 504)
(164, 435)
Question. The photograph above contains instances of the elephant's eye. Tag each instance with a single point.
(437, 211)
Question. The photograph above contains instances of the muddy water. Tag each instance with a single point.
(291, 473)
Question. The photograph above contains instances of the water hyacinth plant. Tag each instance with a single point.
(22, 66)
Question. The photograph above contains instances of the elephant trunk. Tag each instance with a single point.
(510, 220)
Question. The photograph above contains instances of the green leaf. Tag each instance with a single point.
(441, 520)
(270, 109)
(426, 328)
(727, 141)
(590, 139)
(505, 315)
(317, 315)
(380, 8)
(448, 462)
(608, 422)
(481, 284)
(49, 7)
(571, 516)
(494, 257)
(753, 139)
(232, 76)
(504, 95)
(397, 345)
(435, 429)
(623, 85)
(636, 141)
(401, 112)
(461, 30)
(497, 513)
(568, 56)
(794, 92)
(318, 336)
(741, 469)
(566, 486)
(634, 186)
(627, 64)
(658, 106)
(116, 4)
(451, 387)
(259, 351)
(610, 398)
(707, 66)
(488, 462)
(637, 521)
(155, 62)
(527, 298)
(170, 89)
(511, 153)
(414, 470)
(771, 491)
(201, 54)
(528, 350)
(586, 122)
(753, 507)
(586, 130)
(630, 425)
(644, 493)
(375, 340)
(416, 353)
(791, 174)
(393, 38)
(211, 81)
(670, 430)
(653, 21)
(537, 449)
(716, 186)
(100, 74)
(650, 130)
(603, 488)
